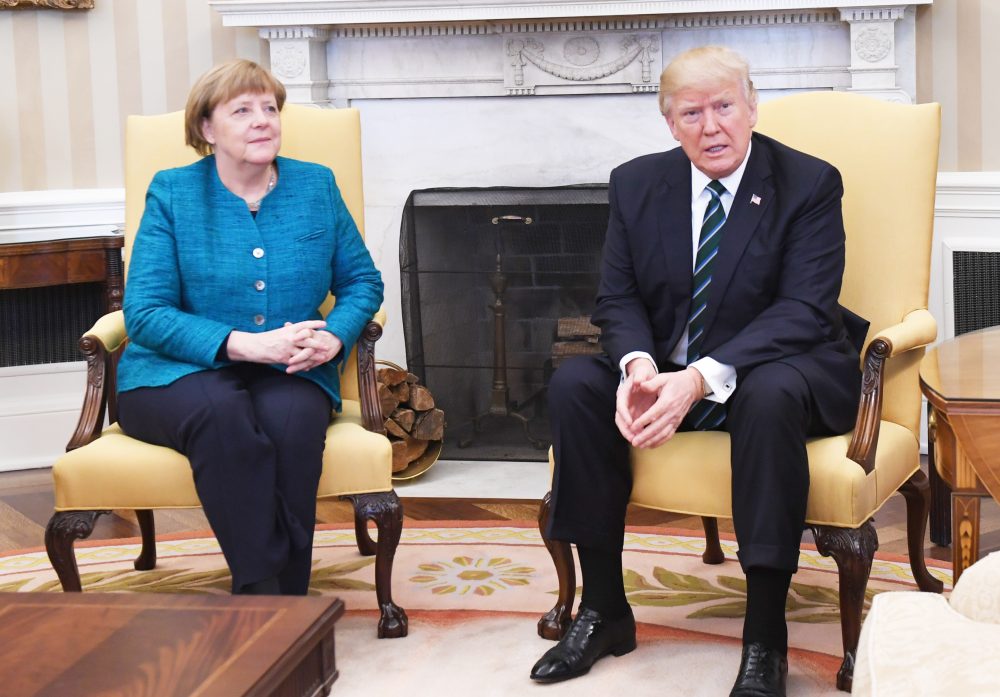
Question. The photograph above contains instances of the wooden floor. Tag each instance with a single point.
(26, 502)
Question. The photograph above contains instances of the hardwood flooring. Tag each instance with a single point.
(26, 502)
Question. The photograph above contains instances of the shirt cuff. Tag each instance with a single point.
(630, 356)
(720, 378)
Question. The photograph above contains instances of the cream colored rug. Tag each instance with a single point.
(474, 594)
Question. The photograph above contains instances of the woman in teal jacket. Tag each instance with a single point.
(229, 360)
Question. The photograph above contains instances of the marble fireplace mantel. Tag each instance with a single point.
(484, 93)
(333, 51)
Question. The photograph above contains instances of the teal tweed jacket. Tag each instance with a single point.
(203, 266)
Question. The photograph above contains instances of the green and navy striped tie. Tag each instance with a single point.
(705, 415)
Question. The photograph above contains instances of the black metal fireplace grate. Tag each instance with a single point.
(451, 243)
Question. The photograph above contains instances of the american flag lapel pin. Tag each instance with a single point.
(755, 200)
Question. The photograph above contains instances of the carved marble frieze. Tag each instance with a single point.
(576, 62)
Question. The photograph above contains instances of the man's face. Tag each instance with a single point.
(713, 124)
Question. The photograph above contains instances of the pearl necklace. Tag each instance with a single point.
(272, 180)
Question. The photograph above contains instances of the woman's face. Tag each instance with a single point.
(245, 129)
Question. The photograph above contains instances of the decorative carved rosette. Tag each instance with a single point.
(872, 44)
(288, 59)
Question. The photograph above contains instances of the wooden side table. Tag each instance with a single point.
(60, 262)
(961, 380)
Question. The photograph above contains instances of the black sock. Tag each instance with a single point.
(603, 585)
(767, 590)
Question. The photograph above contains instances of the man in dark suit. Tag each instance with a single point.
(718, 309)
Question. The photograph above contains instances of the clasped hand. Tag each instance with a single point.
(299, 346)
(650, 405)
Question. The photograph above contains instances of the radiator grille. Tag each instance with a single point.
(43, 325)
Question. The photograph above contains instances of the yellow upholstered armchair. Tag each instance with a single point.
(105, 469)
(887, 154)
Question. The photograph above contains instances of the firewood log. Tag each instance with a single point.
(406, 451)
(429, 425)
(387, 400)
(394, 429)
(421, 398)
(404, 417)
(391, 376)
(402, 391)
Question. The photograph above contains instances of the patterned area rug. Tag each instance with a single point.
(474, 593)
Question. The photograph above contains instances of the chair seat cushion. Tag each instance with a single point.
(116, 471)
(691, 474)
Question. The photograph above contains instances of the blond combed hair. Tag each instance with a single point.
(706, 65)
(220, 84)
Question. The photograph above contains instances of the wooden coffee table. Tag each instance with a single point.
(63, 644)
(961, 379)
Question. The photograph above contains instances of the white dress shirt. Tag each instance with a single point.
(720, 378)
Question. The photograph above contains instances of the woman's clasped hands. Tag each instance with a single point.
(300, 346)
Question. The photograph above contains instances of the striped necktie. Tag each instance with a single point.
(705, 414)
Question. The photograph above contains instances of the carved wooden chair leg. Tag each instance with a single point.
(853, 550)
(713, 548)
(556, 621)
(147, 556)
(366, 545)
(386, 511)
(63, 529)
(917, 492)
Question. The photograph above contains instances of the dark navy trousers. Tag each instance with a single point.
(768, 417)
(255, 439)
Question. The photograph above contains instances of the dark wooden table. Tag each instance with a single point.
(60, 262)
(961, 380)
(73, 644)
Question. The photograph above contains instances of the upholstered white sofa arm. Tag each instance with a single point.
(977, 593)
(915, 644)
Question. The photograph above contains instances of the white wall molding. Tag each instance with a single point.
(38, 412)
(31, 216)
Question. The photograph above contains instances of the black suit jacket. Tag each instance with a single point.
(775, 283)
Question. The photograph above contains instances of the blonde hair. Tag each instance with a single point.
(707, 65)
(220, 84)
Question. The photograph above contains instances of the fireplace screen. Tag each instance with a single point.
(498, 286)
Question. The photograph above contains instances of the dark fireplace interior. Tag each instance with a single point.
(497, 286)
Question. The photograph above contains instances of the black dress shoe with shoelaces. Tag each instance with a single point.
(763, 672)
(590, 637)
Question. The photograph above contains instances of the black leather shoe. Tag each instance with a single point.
(590, 637)
(763, 672)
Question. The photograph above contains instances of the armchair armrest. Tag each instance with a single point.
(100, 347)
(917, 329)
(109, 330)
(371, 409)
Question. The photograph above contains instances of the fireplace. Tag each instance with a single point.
(497, 287)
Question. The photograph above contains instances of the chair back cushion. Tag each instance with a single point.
(331, 137)
(887, 154)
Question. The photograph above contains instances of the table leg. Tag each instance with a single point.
(965, 533)
(940, 523)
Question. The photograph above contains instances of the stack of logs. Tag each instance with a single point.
(411, 420)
